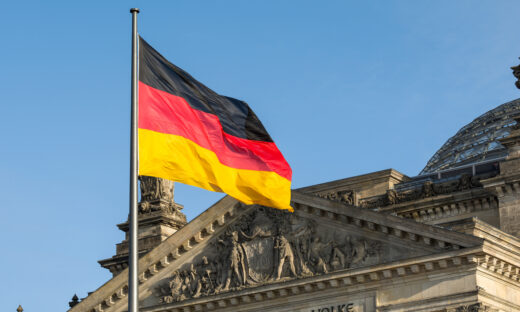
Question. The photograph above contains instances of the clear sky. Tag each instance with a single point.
(343, 87)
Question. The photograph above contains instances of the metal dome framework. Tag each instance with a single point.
(477, 141)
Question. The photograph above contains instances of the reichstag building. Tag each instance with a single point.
(445, 240)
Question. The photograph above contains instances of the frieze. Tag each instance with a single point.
(267, 246)
(347, 197)
(427, 189)
(477, 307)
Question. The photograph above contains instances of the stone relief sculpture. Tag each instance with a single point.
(285, 252)
(156, 189)
(427, 189)
(347, 197)
(516, 73)
(477, 307)
(237, 268)
(156, 195)
(264, 247)
(392, 197)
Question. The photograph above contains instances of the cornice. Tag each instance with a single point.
(444, 206)
(384, 223)
(157, 217)
(373, 276)
(354, 278)
(500, 268)
(504, 186)
(388, 174)
(497, 301)
(496, 237)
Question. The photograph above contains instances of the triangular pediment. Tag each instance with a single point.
(232, 247)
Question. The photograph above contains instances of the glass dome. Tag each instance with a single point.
(477, 141)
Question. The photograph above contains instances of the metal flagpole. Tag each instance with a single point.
(133, 295)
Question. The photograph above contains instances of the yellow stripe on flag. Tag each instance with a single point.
(178, 159)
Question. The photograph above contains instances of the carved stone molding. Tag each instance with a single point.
(477, 307)
(499, 266)
(445, 210)
(345, 278)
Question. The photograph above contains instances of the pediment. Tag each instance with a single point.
(232, 247)
(266, 246)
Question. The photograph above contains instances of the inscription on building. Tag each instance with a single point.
(346, 307)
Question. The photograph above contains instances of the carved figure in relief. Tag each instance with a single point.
(223, 268)
(315, 257)
(427, 189)
(174, 289)
(337, 259)
(332, 196)
(516, 73)
(156, 188)
(392, 197)
(284, 253)
(206, 272)
(185, 288)
(260, 226)
(194, 282)
(301, 234)
(248, 255)
(347, 197)
(238, 267)
(373, 202)
(302, 245)
(477, 307)
(464, 182)
(341, 196)
(178, 288)
(359, 251)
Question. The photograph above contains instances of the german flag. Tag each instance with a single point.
(190, 134)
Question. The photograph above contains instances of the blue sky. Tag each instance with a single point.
(343, 87)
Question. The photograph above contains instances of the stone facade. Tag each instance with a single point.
(506, 185)
(443, 241)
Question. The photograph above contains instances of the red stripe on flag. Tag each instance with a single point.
(166, 113)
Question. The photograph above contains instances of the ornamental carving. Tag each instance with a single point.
(516, 73)
(263, 247)
(477, 307)
(156, 195)
(427, 189)
(156, 189)
(347, 197)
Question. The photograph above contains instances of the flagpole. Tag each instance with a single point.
(133, 284)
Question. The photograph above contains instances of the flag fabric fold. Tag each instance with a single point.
(190, 134)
